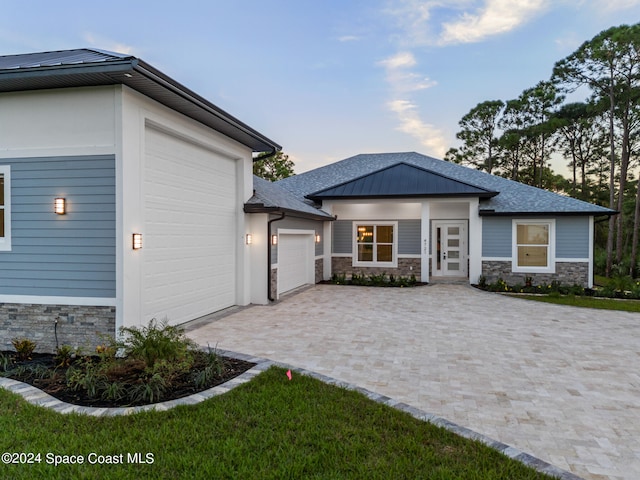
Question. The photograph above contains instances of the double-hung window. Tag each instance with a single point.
(375, 244)
(533, 242)
(5, 208)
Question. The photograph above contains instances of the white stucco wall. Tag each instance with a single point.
(77, 121)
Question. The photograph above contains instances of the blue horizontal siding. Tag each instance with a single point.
(342, 236)
(61, 255)
(572, 237)
(409, 235)
(496, 237)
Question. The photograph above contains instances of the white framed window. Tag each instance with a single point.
(5, 208)
(375, 244)
(534, 246)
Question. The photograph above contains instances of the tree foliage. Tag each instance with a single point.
(273, 167)
(478, 133)
(598, 137)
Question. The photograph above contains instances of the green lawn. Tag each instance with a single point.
(268, 428)
(587, 302)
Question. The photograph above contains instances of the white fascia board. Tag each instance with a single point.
(52, 300)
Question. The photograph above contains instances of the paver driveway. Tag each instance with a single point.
(560, 383)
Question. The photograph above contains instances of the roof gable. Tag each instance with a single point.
(402, 180)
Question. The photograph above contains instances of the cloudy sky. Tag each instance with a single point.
(328, 79)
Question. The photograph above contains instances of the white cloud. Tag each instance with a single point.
(107, 44)
(493, 18)
(410, 122)
(402, 81)
(399, 75)
(399, 60)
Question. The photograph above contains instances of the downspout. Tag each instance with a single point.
(269, 292)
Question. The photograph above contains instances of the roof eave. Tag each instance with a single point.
(261, 142)
(261, 208)
(401, 196)
(493, 213)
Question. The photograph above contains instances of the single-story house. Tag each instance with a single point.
(125, 196)
(409, 214)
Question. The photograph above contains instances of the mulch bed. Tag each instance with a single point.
(181, 386)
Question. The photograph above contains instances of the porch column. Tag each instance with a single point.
(425, 240)
(475, 242)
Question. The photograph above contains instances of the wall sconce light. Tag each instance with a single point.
(274, 239)
(137, 241)
(60, 206)
(317, 238)
(249, 239)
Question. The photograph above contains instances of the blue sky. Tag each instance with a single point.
(330, 79)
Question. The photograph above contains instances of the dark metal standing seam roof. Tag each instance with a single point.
(92, 67)
(402, 180)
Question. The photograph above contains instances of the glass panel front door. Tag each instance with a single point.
(450, 252)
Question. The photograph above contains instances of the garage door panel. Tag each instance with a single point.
(190, 208)
(295, 261)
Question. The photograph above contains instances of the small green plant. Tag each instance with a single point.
(86, 376)
(150, 391)
(113, 391)
(64, 355)
(156, 342)
(24, 348)
(214, 367)
(5, 362)
(339, 279)
(378, 280)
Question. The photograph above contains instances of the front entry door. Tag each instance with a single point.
(450, 249)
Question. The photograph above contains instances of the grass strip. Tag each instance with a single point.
(586, 302)
(269, 428)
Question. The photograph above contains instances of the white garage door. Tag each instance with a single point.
(190, 216)
(296, 266)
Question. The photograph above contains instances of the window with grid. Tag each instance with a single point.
(375, 243)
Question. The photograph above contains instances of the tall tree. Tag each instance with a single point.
(511, 142)
(582, 139)
(606, 64)
(531, 117)
(273, 167)
(478, 132)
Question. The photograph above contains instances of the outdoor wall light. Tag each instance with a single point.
(137, 241)
(274, 239)
(249, 239)
(60, 206)
(317, 238)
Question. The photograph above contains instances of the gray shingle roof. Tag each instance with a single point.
(513, 198)
(269, 197)
(90, 67)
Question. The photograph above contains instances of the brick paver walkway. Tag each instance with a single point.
(560, 383)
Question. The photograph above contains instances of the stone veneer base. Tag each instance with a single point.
(567, 273)
(406, 268)
(77, 326)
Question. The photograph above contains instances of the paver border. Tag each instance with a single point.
(37, 397)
